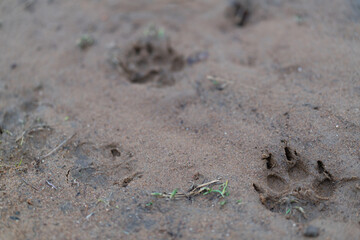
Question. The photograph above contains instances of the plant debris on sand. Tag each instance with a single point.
(203, 189)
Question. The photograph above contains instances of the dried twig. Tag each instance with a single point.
(88, 216)
(50, 184)
(301, 210)
(201, 188)
(22, 179)
(196, 190)
(56, 148)
(221, 83)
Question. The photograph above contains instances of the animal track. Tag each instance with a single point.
(151, 58)
(293, 188)
(24, 134)
(116, 164)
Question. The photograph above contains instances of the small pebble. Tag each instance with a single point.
(14, 218)
(311, 231)
(197, 57)
(13, 66)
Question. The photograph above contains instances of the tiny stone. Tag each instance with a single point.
(265, 155)
(311, 231)
(14, 218)
(13, 66)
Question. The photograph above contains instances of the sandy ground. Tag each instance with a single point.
(272, 107)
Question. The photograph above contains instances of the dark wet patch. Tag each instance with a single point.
(321, 169)
(238, 12)
(115, 152)
(29, 105)
(11, 119)
(89, 176)
(270, 162)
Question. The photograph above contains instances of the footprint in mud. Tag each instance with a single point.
(27, 135)
(14, 118)
(11, 120)
(293, 188)
(123, 165)
(97, 166)
(151, 59)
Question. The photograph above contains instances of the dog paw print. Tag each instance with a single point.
(151, 58)
(293, 187)
(117, 164)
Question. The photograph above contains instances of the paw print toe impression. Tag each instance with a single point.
(292, 188)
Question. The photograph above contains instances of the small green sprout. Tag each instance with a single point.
(157, 194)
(7, 132)
(215, 82)
(299, 19)
(288, 211)
(173, 193)
(19, 164)
(239, 201)
(222, 203)
(161, 33)
(154, 31)
(202, 189)
(66, 118)
(207, 190)
(222, 190)
(106, 202)
(85, 41)
(149, 204)
(300, 209)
